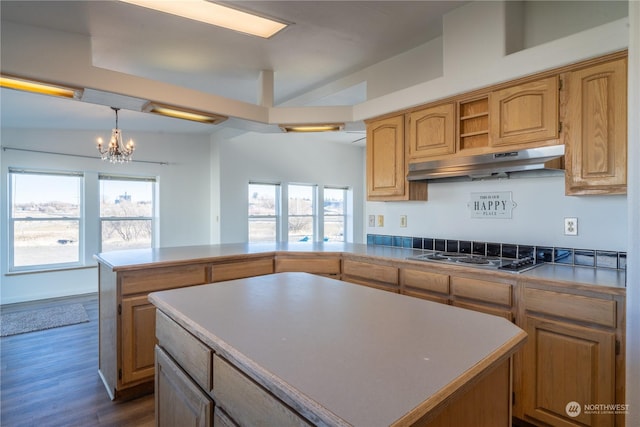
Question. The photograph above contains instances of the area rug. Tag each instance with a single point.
(46, 318)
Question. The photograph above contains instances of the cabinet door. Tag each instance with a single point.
(524, 113)
(138, 326)
(562, 364)
(431, 132)
(178, 401)
(596, 129)
(385, 157)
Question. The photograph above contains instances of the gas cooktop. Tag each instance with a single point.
(479, 261)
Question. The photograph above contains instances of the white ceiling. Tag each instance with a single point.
(327, 40)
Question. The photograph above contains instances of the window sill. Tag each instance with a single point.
(50, 270)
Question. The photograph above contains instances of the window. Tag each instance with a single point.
(334, 213)
(301, 216)
(45, 219)
(264, 212)
(126, 212)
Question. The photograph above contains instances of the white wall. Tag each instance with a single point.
(184, 188)
(291, 158)
(538, 218)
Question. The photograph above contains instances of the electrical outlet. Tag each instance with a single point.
(571, 226)
(403, 220)
(380, 220)
(372, 220)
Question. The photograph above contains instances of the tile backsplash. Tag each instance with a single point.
(595, 258)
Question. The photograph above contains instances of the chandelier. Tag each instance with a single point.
(116, 151)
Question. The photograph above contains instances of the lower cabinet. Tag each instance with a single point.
(372, 274)
(196, 387)
(138, 340)
(178, 400)
(571, 360)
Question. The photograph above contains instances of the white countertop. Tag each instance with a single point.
(350, 354)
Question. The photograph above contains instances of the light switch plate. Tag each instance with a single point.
(380, 220)
(403, 220)
(372, 220)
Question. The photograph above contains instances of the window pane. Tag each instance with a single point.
(334, 228)
(45, 196)
(262, 200)
(262, 230)
(334, 201)
(126, 234)
(300, 229)
(124, 198)
(300, 200)
(45, 242)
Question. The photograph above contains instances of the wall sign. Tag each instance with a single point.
(496, 205)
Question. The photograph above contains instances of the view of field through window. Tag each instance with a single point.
(45, 216)
(126, 211)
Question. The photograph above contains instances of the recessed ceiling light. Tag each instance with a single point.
(332, 127)
(216, 14)
(35, 86)
(183, 113)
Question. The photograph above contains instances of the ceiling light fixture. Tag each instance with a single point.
(116, 151)
(183, 113)
(216, 14)
(35, 86)
(332, 127)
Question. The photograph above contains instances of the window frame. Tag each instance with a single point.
(343, 215)
(313, 215)
(277, 218)
(11, 223)
(152, 218)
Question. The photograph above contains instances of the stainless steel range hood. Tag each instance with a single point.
(490, 165)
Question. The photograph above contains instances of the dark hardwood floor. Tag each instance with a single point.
(50, 377)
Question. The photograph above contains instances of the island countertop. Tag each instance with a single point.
(340, 353)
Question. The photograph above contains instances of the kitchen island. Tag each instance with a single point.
(300, 349)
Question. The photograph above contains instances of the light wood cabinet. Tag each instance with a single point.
(387, 162)
(425, 284)
(138, 341)
(127, 319)
(373, 274)
(571, 359)
(178, 400)
(596, 129)
(524, 113)
(323, 264)
(431, 132)
(486, 296)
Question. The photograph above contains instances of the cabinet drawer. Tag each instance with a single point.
(156, 279)
(484, 309)
(433, 282)
(192, 355)
(380, 273)
(248, 403)
(314, 265)
(574, 307)
(481, 290)
(239, 270)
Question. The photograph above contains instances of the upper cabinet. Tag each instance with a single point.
(596, 129)
(524, 113)
(431, 131)
(587, 113)
(386, 162)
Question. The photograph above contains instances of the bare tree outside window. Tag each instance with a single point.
(126, 213)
